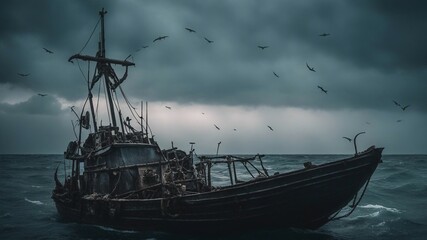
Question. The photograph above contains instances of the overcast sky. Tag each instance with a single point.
(376, 53)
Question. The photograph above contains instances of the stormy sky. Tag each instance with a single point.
(375, 54)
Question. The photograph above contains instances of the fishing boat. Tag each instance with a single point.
(121, 178)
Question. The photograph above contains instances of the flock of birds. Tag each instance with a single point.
(261, 47)
(28, 74)
(264, 47)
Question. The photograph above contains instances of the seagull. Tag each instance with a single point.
(262, 47)
(234, 129)
(203, 113)
(323, 90)
(275, 74)
(43, 95)
(130, 55)
(190, 30)
(217, 127)
(168, 107)
(48, 51)
(397, 104)
(160, 38)
(270, 128)
(405, 107)
(324, 34)
(209, 41)
(399, 120)
(310, 68)
(24, 74)
(139, 49)
(349, 139)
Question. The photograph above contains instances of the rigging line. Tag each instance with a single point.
(97, 101)
(88, 74)
(106, 101)
(116, 102)
(126, 100)
(81, 71)
(130, 106)
(99, 19)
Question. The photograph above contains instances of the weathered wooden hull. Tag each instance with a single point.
(305, 198)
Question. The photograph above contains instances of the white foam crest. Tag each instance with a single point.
(115, 230)
(376, 206)
(35, 186)
(371, 215)
(34, 202)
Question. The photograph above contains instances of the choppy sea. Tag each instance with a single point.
(394, 205)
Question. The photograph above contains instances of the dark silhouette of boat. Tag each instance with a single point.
(128, 182)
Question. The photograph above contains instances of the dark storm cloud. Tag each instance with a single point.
(375, 51)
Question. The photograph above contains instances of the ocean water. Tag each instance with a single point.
(394, 205)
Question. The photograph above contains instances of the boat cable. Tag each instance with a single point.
(97, 101)
(93, 31)
(353, 206)
(106, 101)
(81, 71)
(132, 110)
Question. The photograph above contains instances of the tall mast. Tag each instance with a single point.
(104, 67)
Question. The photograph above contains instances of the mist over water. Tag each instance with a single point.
(393, 206)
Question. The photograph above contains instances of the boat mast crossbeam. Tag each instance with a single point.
(101, 60)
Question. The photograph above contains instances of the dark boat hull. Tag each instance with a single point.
(304, 199)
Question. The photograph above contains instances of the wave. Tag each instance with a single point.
(35, 186)
(376, 206)
(114, 230)
(34, 202)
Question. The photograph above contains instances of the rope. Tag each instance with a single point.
(354, 205)
(106, 101)
(90, 35)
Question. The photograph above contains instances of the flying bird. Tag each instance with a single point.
(168, 107)
(209, 41)
(217, 127)
(130, 55)
(262, 47)
(310, 68)
(270, 128)
(323, 90)
(275, 74)
(143, 47)
(160, 38)
(397, 104)
(43, 95)
(24, 74)
(190, 30)
(349, 139)
(324, 34)
(399, 120)
(234, 129)
(48, 51)
(405, 107)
